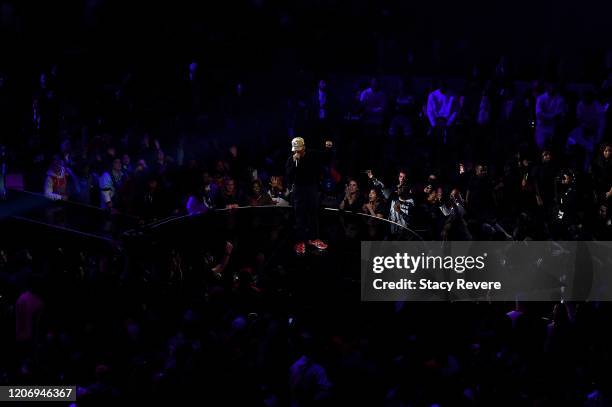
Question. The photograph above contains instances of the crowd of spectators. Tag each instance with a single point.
(482, 161)
(478, 160)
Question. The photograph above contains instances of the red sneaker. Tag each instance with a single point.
(300, 248)
(319, 244)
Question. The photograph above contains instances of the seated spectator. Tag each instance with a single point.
(209, 189)
(196, 204)
(151, 203)
(126, 165)
(352, 201)
(278, 193)
(375, 205)
(230, 196)
(259, 197)
(58, 180)
(110, 183)
(329, 195)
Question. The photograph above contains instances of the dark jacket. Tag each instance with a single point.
(307, 172)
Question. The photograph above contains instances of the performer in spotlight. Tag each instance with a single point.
(304, 168)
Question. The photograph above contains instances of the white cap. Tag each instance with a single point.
(297, 144)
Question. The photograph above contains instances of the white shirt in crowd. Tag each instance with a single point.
(440, 105)
(403, 215)
(548, 108)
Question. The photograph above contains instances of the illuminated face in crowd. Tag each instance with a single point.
(432, 197)
(481, 170)
(230, 187)
(603, 212)
(256, 188)
(402, 178)
(607, 153)
(353, 187)
(567, 179)
(372, 196)
(546, 156)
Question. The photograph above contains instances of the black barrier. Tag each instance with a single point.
(334, 222)
(66, 217)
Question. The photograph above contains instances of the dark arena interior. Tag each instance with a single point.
(185, 189)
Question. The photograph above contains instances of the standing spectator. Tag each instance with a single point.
(481, 203)
(8, 112)
(440, 108)
(2, 172)
(402, 207)
(323, 112)
(28, 313)
(402, 181)
(567, 213)
(550, 111)
(309, 384)
(148, 150)
(544, 176)
(405, 116)
(590, 118)
(374, 102)
(601, 171)
(321, 101)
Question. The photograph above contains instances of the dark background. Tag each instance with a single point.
(336, 36)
